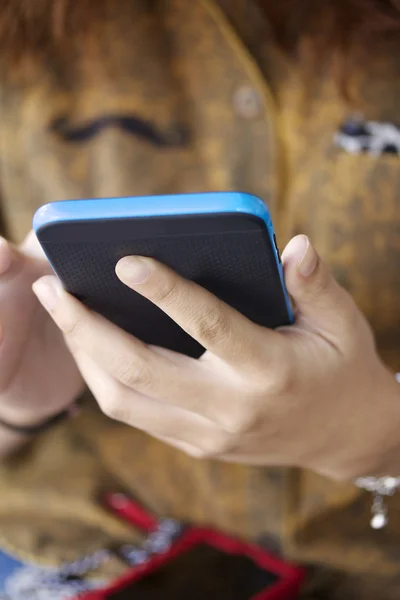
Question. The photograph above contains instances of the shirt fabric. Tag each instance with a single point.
(234, 113)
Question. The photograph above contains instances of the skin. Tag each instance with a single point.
(38, 376)
(315, 395)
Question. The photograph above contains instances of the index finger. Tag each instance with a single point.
(215, 325)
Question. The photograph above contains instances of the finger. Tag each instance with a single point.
(188, 449)
(159, 374)
(14, 261)
(14, 300)
(6, 256)
(122, 356)
(215, 325)
(320, 301)
(31, 247)
(157, 419)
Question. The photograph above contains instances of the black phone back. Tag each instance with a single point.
(231, 255)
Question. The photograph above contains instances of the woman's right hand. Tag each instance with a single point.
(38, 376)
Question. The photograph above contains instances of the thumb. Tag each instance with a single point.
(319, 300)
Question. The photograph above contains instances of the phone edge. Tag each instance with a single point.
(163, 205)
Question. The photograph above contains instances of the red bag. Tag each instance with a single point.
(176, 559)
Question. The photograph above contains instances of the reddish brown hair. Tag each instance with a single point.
(348, 32)
(38, 26)
(333, 23)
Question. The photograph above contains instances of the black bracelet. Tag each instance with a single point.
(33, 430)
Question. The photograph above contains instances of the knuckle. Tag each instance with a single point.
(347, 323)
(217, 446)
(319, 284)
(74, 328)
(356, 331)
(213, 324)
(366, 335)
(285, 378)
(197, 453)
(241, 423)
(349, 309)
(112, 408)
(322, 281)
(134, 374)
(166, 294)
(282, 380)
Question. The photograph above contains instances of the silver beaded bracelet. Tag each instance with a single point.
(380, 487)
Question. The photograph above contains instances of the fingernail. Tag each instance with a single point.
(47, 291)
(133, 269)
(309, 261)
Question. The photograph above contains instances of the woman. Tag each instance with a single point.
(290, 103)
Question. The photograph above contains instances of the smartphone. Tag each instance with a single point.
(224, 242)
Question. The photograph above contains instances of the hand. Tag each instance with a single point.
(314, 394)
(38, 376)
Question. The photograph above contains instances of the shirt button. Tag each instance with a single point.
(247, 102)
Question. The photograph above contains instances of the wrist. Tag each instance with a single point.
(32, 423)
(384, 482)
(385, 447)
(22, 418)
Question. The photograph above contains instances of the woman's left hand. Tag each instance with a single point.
(314, 394)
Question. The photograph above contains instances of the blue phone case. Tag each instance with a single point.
(223, 241)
